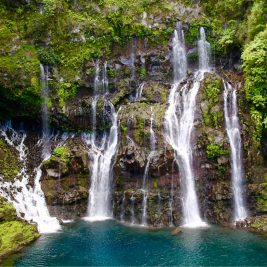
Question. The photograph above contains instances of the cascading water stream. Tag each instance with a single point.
(41, 10)
(44, 110)
(133, 59)
(97, 82)
(145, 177)
(139, 91)
(171, 200)
(159, 203)
(234, 135)
(179, 124)
(102, 153)
(122, 208)
(29, 202)
(105, 78)
(204, 52)
(132, 209)
(44, 94)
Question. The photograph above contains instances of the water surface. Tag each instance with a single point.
(109, 243)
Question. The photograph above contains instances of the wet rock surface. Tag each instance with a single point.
(65, 179)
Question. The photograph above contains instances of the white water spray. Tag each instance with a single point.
(44, 110)
(102, 153)
(204, 52)
(105, 78)
(145, 177)
(29, 202)
(132, 210)
(97, 81)
(122, 208)
(179, 54)
(179, 124)
(234, 135)
(139, 91)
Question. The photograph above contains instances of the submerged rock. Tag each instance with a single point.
(177, 231)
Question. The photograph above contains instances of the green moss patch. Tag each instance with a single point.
(213, 117)
(259, 224)
(7, 211)
(9, 164)
(262, 198)
(62, 152)
(59, 159)
(14, 235)
(215, 151)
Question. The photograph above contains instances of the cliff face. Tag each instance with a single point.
(211, 149)
(132, 51)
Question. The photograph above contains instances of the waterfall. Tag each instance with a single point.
(204, 52)
(100, 82)
(44, 94)
(179, 124)
(132, 209)
(159, 203)
(171, 203)
(41, 7)
(102, 153)
(122, 208)
(94, 106)
(105, 78)
(234, 135)
(139, 92)
(29, 202)
(145, 177)
(44, 110)
(97, 82)
(133, 59)
(179, 54)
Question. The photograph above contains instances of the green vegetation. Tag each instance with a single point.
(255, 68)
(241, 25)
(215, 151)
(69, 36)
(7, 212)
(9, 164)
(62, 152)
(212, 115)
(262, 198)
(65, 91)
(142, 72)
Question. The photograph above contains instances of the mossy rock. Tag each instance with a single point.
(212, 111)
(259, 224)
(135, 118)
(15, 235)
(262, 198)
(59, 161)
(7, 211)
(155, 92)
(9, 164)
(66, 191)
